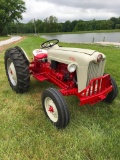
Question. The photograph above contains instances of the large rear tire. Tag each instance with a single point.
(55, 107)
(113, 94)
(16, 66)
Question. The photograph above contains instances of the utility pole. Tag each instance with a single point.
(34, 25)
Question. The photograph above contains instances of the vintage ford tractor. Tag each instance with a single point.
(75, 71)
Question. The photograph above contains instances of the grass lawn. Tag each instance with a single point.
(26, 134)
(4, 38)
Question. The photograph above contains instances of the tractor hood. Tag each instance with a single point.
(75, 50)
(73, 55)
(82, 58)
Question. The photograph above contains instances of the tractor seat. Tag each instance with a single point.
(40, 53)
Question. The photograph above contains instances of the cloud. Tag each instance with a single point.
(86, 4)
(71, 9)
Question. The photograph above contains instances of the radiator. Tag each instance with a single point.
(95, 70)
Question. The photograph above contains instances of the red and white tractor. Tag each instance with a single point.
(75, 71)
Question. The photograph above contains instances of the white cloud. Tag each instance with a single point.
(71, 9)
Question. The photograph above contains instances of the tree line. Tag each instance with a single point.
(51, 25)
(11, 12)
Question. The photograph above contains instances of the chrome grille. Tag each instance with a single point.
(95, 70)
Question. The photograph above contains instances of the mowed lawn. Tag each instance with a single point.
(4, 38)
(26, 134)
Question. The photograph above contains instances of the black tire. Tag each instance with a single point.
(16, 66)
(113, 94)
(55, 107)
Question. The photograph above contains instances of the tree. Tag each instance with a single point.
(73, 24)
(66, 26)
(10, 11)
(39, 26)
(81, 26)
(117, 26)
(50, 24)
(114, 21)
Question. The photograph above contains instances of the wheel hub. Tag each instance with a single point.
(11, 72)
(51, 109)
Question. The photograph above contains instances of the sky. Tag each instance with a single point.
(71, 9)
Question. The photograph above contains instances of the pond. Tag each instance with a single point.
(85, 37)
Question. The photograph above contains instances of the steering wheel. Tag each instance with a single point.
(49, 43)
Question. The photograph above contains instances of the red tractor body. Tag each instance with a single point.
(96, 90)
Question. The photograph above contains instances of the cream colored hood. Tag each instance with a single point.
(70, 55)
(75, 50)
(80, 57)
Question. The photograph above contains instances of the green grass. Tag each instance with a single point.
(4, 38)
(26, 134)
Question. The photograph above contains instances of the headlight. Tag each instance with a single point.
(99, 58)
(71, 67)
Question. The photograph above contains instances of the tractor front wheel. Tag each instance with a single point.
(55, 108)
(113, 94)
(17, 71)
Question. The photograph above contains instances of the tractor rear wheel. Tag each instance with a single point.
(113, 94)
(55, 107)
(16, 66)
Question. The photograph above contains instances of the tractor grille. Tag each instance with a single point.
(96, 90)
(95, 70)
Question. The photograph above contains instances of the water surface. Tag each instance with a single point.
(85, 37)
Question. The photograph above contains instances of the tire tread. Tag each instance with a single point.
(21, 67)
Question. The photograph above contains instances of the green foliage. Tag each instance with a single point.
(66, 27)
(26, 134)
(10, 11)
(51, 24)
(81, 26)
(117, 26)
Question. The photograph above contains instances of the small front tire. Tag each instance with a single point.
(55, 107)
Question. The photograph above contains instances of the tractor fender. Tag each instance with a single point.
(23, 53)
